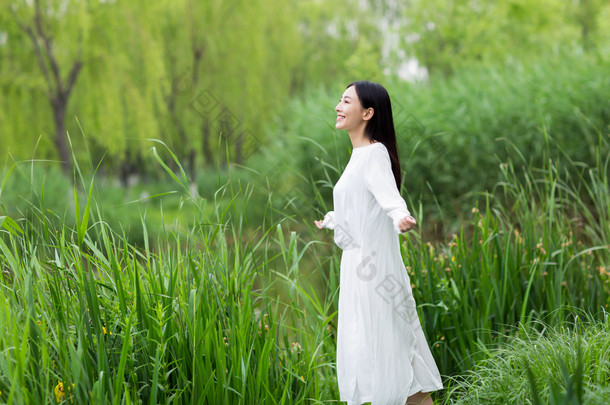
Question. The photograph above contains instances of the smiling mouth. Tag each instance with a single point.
(339, 117)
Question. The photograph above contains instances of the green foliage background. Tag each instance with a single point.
(202, 146)
(203, 75)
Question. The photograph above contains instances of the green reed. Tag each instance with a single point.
(536, 249)
(225, 309)
(196, 320)
(564, 365)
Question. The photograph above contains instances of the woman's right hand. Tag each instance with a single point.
(407, 223)
(319, 224)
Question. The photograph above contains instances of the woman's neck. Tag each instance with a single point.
(359, 138)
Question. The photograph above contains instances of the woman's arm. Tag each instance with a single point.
(328, 222)
(380, 182)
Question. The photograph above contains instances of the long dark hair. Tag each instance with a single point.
(381, 126)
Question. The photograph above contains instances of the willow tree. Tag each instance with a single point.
(119, 100)
(60, 65)
(96, 61)
(229, 65)
(205, 76)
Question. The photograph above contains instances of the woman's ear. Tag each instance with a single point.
(368, 114)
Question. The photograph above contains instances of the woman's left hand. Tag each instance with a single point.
(407, 223)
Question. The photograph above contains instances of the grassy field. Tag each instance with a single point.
(562, 365)
(223, 292)
(224, 308)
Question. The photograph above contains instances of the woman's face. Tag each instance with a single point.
(350, 113)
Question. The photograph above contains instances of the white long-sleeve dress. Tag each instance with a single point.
(382, 353)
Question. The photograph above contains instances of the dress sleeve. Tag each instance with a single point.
(379, 180)
(329, 220)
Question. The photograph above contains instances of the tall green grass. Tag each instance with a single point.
(224, 309)
(563, 365)
(538, 248)
(195, 320)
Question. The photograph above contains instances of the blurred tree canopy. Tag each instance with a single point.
(207, 76)
(449, 35)
(203, 76)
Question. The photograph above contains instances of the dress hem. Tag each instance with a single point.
(427, 389)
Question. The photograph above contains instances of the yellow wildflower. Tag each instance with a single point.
(105, 331)
(59, 391)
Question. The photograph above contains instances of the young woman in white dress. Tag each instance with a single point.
(382, 353)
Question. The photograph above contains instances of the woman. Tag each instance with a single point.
(382, 354)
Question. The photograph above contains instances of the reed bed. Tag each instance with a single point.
(87, 317)
(224, 308)
(557, 366)
(537, 249)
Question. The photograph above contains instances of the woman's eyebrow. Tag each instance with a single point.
(346, 97)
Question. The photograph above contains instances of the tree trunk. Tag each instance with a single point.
(205, 143)
(59, 115)
(58, 90)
